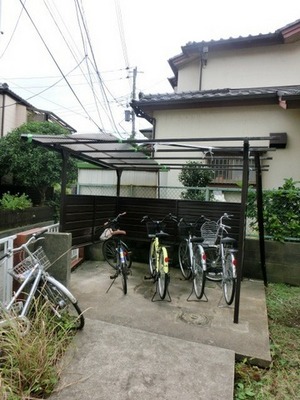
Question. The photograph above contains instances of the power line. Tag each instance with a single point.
(60, 70)
(13, 32)
(94, 64)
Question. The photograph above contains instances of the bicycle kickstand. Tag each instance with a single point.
(167, 293)
(113, 281)
(196, 299)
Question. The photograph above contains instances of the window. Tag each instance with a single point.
(229, 169)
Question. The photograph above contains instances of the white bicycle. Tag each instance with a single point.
(35, 284)
(220, 255)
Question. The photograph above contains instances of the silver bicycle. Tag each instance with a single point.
(191, 255)
(220, 255)
(36, 284)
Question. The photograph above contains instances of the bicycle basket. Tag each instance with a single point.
(21, 270)
(154, 227)
(185, 229)
(209, 231)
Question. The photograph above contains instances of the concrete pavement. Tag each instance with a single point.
(135, 348)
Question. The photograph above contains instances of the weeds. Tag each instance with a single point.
(29, 364)
(281, 381)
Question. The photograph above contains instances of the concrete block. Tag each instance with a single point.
(57, 247)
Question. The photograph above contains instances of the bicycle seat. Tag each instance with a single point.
(197, 239)
(228, 240)
(160, 234)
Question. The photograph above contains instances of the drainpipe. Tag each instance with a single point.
(203, 63)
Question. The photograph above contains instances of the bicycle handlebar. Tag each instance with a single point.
(169, 216)
(192, 223)
(34, 237)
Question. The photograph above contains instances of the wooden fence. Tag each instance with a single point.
(83, 215)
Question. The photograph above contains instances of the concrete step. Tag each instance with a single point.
(114, 362)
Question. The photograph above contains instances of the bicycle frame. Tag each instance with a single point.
(158, 255)
(158, 248)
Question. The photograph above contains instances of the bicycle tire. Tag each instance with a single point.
(184, 259)
(109, 251)
(229, 280)
(62, 303)
(163, 273)
(152, 259)
(213, 264)
(198, 271)
(124, 275)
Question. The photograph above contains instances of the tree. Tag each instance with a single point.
(32, 165)
(195, 175)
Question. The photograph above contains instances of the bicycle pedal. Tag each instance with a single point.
(114, 276)
(148, 277)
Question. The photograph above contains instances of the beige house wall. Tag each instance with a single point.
(245, 68)
(14, 114)
(237, 121)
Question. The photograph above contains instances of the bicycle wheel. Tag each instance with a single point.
(109, 251)
(198, 271)
(184, 259)
(62, 303)
(213, 264)
(152, 259)
(229, 279)
(163, 273)
(124, 275)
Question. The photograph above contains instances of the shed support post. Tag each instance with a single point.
(242, 230)
(65, 158)
(260, 218)
(119, 174)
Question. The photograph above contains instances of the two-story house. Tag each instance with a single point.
(15, 111)
(236, 87)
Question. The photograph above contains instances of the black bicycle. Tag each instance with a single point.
(115, 251)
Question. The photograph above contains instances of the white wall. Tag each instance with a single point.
(237, 121)
(105, 177)
(276, 65)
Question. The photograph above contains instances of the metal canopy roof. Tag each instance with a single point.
(108, 152)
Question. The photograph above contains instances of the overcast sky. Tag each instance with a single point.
(79, 71)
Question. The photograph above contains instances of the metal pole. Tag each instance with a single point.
(260, 218)
(119, 174)
(242, 230)
(65, 158)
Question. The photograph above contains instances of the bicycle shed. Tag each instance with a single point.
(109, 153)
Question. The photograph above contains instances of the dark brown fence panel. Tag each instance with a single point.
(191, 210)
(80, 218)
(85, 214)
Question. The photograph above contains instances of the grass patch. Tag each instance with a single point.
(282, 380)
(29, 365)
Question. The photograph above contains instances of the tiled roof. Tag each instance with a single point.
(147, 103)
(216, 94)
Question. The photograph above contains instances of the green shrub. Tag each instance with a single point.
(15, 201)
(281, 211)
(195, 176)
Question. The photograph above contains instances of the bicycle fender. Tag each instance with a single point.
(50, 279)
(166, 260)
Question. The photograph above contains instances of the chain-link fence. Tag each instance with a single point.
(164, 192)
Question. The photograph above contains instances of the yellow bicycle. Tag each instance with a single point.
(158, 254)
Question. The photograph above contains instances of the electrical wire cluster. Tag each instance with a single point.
(94, 99)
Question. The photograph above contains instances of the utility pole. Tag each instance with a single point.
(134, 74)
